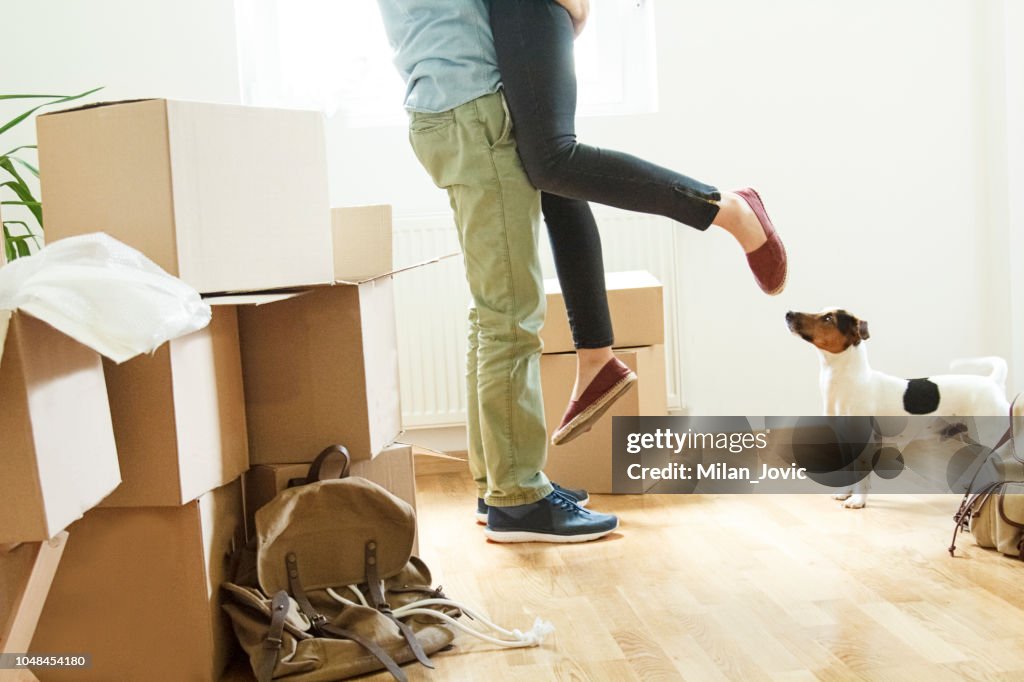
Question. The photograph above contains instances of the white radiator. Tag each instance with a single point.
(432, 303)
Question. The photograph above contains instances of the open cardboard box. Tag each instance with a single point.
(58, 457)
(320, 366)
(362, 238)
(139, 590)
(635, 301)
(226, 197)
(179, 416)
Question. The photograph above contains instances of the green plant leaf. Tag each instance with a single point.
(22, 248)
(20, 203)
(21, 188)
(9, 252)
(18, 149)
(8, 165)
(60, 99)
(29, 234)
(31, 169)
(32, 96)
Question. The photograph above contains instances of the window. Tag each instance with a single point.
(616, 65)
(334, 56)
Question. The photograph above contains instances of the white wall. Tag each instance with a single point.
(134, 48)
(1013, 20)
(865, 126)
(876, 131)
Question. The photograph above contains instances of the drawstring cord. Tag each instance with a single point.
(514, 638)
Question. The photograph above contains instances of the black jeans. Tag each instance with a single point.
(534, 44)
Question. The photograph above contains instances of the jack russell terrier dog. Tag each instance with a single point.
(849, 387)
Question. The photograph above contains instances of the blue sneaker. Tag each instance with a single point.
(580, 497)
(556, 518)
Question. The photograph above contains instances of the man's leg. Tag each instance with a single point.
(475, 444)
(470, 151)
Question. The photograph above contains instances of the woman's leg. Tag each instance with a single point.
(576, 248)
(534, 44)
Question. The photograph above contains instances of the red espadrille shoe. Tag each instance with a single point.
(768, 261)
(611, 382)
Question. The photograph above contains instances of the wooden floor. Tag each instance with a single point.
(732, 588)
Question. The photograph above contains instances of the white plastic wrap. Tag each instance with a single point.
(104, 294)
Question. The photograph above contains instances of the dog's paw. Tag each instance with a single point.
(856, 501)
(845, 495)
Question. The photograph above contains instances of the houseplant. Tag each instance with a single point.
(18, 235)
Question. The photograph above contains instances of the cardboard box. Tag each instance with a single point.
(393, 469)
(179, 416)
(362, 242)
(26, 573)
(138, 589)
(636, 307)
(226, 197)
(320, 368)
(586, 462)
(58, 456)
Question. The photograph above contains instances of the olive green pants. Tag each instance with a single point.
(470, 152)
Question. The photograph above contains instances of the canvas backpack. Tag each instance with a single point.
(329, 589)
(993, 506)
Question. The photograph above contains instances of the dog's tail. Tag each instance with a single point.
(995, 365)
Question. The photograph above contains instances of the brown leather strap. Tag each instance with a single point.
(970, 507)
(272, 642)
(389, 663)
(373, 582)
(324, 629)
(295, 585)
(341, 451)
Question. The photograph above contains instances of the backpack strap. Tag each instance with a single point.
(373, 582)
(970, 501)
(272, 642)
(323, 628)
(339, 451)
(970, 507)
(1009, 432)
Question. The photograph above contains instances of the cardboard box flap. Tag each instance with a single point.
(631, 279)
(264, 297)
(5, 321)
(97, 105)
(254, 299)
(120, 102)
(435, 259)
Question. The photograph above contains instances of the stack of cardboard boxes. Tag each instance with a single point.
(635, 301)
(301, 353)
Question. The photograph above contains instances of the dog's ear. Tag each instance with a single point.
(862, 330)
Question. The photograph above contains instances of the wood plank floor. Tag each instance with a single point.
(732, 588)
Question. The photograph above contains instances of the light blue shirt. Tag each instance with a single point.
(443, 49)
